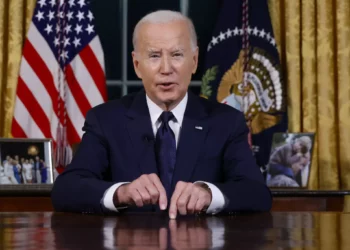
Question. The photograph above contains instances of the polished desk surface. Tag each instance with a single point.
(276, 230)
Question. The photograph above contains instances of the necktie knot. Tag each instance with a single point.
(166, 116)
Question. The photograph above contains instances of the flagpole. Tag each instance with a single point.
(58, 147)
(61, 145)
(245, 46)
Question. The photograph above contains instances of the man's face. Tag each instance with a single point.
(297, 147)
(164, 60)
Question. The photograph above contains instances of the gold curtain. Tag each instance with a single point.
(314, 44)
(15, 17)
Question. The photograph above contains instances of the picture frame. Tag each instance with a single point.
(26, 165)
(290, 160)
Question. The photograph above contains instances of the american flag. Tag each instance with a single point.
(61, 75)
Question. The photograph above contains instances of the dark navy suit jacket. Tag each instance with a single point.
(118, 146)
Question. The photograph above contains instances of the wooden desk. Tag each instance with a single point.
(309, 200)
(38, 199)
(276, 230)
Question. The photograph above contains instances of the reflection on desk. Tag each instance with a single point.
(151, 231)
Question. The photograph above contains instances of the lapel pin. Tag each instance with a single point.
(198, 127)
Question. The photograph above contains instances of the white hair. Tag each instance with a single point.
(166, 16)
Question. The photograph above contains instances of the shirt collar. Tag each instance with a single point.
(178, 112)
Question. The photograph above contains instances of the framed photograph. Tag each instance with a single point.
(26, 163)
(290, 160)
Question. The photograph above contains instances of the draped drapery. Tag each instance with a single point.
(15, 17)
(314, 43)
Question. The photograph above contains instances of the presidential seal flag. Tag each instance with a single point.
(243, 71)
(61, 75)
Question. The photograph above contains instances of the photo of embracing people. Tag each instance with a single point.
(290, 160)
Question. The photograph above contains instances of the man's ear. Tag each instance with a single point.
(195, 60)
(136, 64)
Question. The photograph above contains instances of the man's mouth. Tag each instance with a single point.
(166, 85)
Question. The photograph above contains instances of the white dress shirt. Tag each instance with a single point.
(218, 200)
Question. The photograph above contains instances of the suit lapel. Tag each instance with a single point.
(141, 134)
(193, 133)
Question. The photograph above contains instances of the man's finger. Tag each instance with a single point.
(146, 197)
(152, 190)
(199, 205)
(136, 198)
(163, 200)
(192, 203)
(173, 203)
(184, 198)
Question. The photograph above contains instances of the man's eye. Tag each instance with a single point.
(154, 56)
(177, 54)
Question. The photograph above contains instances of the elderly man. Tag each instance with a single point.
(163, 148)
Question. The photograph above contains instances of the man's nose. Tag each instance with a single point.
(165, 67)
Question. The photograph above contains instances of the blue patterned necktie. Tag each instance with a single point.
(166, 151)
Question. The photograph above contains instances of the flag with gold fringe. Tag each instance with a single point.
(243, 70)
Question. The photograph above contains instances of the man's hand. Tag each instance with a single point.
(296, 167)
(189, 198)
(147, 189)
